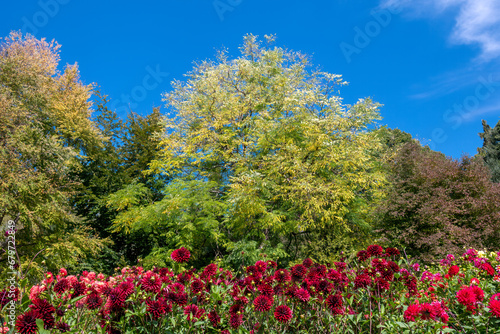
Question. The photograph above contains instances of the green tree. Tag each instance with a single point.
(260, 148)
(117, 161)
(44, 125)
(491, 149)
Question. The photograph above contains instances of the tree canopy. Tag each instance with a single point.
(261, 148)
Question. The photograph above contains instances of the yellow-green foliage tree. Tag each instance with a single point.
(44, 124)
(261, 148)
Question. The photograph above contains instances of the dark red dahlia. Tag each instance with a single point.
(374, 250)
(78, 289)
(150, 282)
(362, 281)
(181, 255)
(282, 276)
(393, 266)
(26, 323)
(261, 266)
(45, 311)
(363, 255)
(325, 286)
(214, 318)
(412, 312)
(181, 299)
(116, 300)
(340, 265)
(210, 270)
(387, 274)
(235, 320)
(298, 271)
(63, 327)
(193, 312)
(61, 285)
(337, 311)
(302, 295)
(392, 251)
(93, 301)
(126, 287)
(263, 303)
(334, 301)
(283, 313)
(381, 285)
(307, 263)
(197, 286)
(236, 308)
(156, 307)
(266, 289)
(453, 270)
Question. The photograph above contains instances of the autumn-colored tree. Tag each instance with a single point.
(44, 124)
(261, 148)
(437, 205)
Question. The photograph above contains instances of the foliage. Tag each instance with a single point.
(126, 149)
(438, 205)
(44, 124)
(491, 149)
(272, 150)
(377, 291)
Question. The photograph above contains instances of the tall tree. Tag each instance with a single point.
(491, 149)
(44, 125)
(438, 205)
(260, 148)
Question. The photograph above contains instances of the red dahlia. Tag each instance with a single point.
(282, 276)
(283, 313)
(302, 295)
(261, 266)
(466, 296)
(427, 311)
(334, 301)
(307, 262)
(150, 282)
(63, 327)
(235, 320)
(156, 308)
(362, 255)
(266, 289)
(374, 250)
(181, 255)
(494, 307)
(214, 318)
(45, 311)
(210, 270)
(93, 301)
(263, 303)
(362, 281)
(26, 323)
(61, 285)
(197, 286)
(412, 312)
(453, 270)
(298, 271)
(392, 251)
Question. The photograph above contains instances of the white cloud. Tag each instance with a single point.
(477, 22)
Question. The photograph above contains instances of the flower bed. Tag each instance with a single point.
(378, 291)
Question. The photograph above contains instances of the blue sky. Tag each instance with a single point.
(433, 64)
